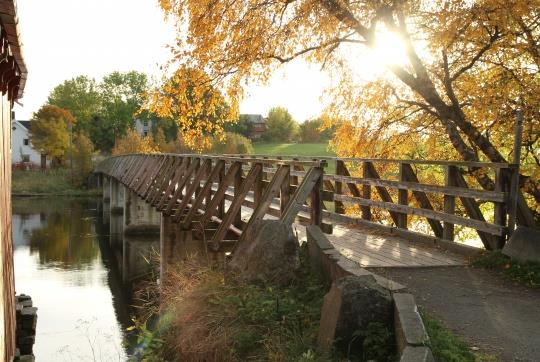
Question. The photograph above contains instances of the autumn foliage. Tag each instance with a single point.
(467, 67)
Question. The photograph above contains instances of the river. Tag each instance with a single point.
(66, 261)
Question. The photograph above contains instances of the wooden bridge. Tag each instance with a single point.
(397, 213)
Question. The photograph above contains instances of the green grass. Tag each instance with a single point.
(525, 273)
(49, 182)
(292, 149)
(296, 149)
(448, 347)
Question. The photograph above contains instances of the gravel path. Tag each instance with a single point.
(489, 311)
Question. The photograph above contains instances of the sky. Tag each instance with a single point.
(66, 38)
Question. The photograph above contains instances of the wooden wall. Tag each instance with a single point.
(7, 292)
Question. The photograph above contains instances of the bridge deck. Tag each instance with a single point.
(374, 249)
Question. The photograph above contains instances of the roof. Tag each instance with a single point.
(26, 124)
(10, 27)
(254, 118)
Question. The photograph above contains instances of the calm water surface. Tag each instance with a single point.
(64, 261)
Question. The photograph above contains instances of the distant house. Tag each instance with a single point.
(22, 152)
(143, 127)
(258, 125)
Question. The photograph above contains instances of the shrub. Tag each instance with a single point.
(81, 154)
(232, 143)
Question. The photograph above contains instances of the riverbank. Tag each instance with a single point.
(46, 183)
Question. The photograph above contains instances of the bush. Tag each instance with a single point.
(132, 142)
(81, 154)
(232, 143)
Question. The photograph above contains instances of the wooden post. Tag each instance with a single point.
(514, 185)
(258, 187)
(237, 219)
(499, 217)
(221, 204)
(449, 202)
(366, 192)
(403, 199)
(338, 205)
(285, 190)
(316, 199)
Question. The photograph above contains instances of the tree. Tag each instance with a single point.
(197, 107)
(82, 152)
(280, 126)
(49, 131)
(314, 131)
(242, 126)
(468, 66)
(122, 96)
(80, 96)
(132, 142)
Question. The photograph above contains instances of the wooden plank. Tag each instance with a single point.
(500, 210)
(207, 188)
(270, 193)
(436, 215)
(382, 191)
(218, 198)
(366, 192)
(472, 208)
(236, 204)
(285, 192)
(190, 190)
(316, 200)
(161, 178)
(403, 199)
(167, 177)
(178, 174)
(338, 205)
(301, 194)
(449, 202)
(485, 195)
(422, 199)
(195, 163)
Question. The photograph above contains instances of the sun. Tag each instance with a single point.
(389, 48)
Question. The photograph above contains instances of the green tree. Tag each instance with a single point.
(280, 126)
(122, 97)
(314, 130)
(49, 131)
(242, 126)
(81, 154)
(79, 96)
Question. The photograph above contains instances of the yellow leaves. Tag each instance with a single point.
(132, 142)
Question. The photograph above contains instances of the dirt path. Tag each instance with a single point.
(488, 310)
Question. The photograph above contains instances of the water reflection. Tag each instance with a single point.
(78, 274)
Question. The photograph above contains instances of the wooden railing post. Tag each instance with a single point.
(366, 191)
(317, 200)
(221, 204)
(340, 171)
(500, 211)
(449, 202)
(285, 190)
(403, 199)
(238, 179)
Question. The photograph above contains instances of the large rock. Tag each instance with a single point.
(269, 253)
(351, 305)
(524, 245)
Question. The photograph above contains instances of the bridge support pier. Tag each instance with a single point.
(106, 188)
(116, 194)
(137, 255)
(140, 218)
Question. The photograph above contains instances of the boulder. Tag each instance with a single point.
(523, 245)
(351, 305)
(268, 253)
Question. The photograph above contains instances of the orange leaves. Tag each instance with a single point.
(190, 99)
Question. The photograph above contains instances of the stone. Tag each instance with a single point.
(351, 305)
(417, 354)
(408, 324)
(523, 245)
(268, 253)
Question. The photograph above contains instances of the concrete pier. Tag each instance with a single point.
(140, 218)
(116, 193)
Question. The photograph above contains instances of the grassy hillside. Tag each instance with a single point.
(53, 182)
(292, 149)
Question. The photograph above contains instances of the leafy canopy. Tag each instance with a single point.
(280, 126)
(49, 131)
(467, 66)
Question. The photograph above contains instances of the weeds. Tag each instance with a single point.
(447, 347)
(526, 273)
(55, 181)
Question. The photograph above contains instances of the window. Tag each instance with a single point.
(25, 141)
(145, 123)
(145, 133)
(25, 158)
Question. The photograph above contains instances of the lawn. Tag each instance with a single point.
(50, 182)
(293, 149)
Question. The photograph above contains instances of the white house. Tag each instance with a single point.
(143, 127)
(22, 151)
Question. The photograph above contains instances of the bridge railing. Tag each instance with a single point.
(435, 201)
